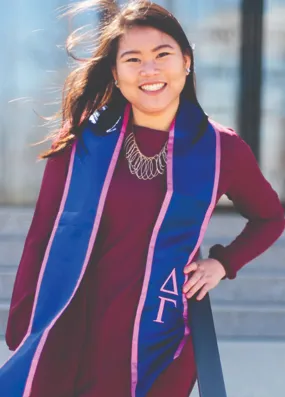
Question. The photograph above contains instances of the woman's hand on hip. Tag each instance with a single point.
(206, 275)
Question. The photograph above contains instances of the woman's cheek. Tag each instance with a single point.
(128, 78)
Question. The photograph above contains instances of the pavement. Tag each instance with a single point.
(251, 369)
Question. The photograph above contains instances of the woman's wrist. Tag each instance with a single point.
(218, 252)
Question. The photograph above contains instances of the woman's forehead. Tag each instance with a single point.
(144, 38)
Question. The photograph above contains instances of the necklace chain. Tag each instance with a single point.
(142, 166)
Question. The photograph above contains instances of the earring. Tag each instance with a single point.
(188, 70)
(116, 83)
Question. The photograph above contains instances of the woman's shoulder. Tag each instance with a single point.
(59, 162)
(236, 154)
(231, 142)
(226, 133)
(56, 169)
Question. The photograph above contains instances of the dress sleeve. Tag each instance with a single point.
(45, 213)
(255, 199)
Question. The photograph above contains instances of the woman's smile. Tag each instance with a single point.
(153, 88)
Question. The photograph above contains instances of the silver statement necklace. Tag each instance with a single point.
(142, 166)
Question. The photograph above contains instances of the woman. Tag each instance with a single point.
(99, 306)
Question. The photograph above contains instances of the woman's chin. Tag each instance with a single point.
(149, 107)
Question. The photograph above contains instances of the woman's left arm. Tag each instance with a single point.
(255, 199)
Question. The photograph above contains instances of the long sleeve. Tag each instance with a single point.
(45, 213)
(254, 198)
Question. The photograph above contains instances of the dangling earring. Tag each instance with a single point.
(116, 83)
(188, 70)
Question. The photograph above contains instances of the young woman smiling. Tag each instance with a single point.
(99, 305)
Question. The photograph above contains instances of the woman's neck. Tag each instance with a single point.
(157, 121)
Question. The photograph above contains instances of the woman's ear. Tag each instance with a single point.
(187, 60)
(114, 73)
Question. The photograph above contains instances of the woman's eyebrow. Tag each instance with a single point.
(131, 52)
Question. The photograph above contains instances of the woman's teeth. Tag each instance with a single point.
(153, 87)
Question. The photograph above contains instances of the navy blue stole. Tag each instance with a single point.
(161, 322)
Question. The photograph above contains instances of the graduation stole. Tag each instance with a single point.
(161, 323)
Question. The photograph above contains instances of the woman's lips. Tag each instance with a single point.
(155, 91)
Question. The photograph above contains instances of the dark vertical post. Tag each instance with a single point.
(206, 351)
(251, 72)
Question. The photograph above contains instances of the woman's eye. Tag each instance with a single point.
(133, 60)
(163, 54)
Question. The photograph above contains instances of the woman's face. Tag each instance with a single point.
(150, 69)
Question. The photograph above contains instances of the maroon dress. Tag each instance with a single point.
(88, 351)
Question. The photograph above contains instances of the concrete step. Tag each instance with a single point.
(223, 228)
(15, 221)
(249, 321)
(10, 251)
(249, 285)
(270, 262)
(226, 225)
(251, 368)
(7, 279)
(245, 289)
(4, 310)
(231, 321)
(252, 305)
(250, 289)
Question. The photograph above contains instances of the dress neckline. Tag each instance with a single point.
(150, 141)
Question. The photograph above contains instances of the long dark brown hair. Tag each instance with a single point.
(91, 86)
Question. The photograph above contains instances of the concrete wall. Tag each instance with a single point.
(33, 68)
(30, 68)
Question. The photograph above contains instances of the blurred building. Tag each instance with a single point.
(34, 66)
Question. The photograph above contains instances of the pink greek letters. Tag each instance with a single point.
(165, 288)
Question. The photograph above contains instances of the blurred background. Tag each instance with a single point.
(240, 67)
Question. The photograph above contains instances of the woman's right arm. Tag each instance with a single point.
(45, 213)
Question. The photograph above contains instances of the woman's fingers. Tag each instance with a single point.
(196, 281)
(191, 267)
(206, 274)
(199, 272)
(192, 291)
(196, 277)
(203, 292)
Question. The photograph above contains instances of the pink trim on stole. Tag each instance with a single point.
(102, 199)
(45, 259)
(202, 233)
(166, 202)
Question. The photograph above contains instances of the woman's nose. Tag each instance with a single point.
(149, 69)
